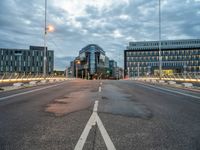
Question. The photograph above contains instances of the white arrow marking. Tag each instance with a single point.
(91, 122)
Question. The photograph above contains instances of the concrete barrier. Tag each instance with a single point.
(32, 82)
(43, 81)
(18, 84)
(147, 80)
(188, 85)
(161, 81)
(153, 81)
(52, 80)
(171, 82)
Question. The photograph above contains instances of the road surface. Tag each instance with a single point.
(122, 115)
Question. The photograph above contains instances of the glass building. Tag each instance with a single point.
(25, 60)
(178, 56)
(91, 62)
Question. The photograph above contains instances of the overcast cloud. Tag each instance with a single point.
(109, 23)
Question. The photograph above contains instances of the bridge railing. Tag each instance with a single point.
(191, 77)
(12, 77)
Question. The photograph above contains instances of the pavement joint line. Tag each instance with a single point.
(94, 119)
(27, 92)
(173, 91)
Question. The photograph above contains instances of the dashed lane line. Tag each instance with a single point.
(95, 106)
(100, 89)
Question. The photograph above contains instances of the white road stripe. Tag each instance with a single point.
(27, 92)
(95, 106)
(84, 135)
(173, 91)
(91, 122)
(99, 89)
(104, 133)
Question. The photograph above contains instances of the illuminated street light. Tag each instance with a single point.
(47, 29)
(50, 28)
(160, 54)
(77, 63)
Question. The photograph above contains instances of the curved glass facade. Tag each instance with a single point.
(92, 61)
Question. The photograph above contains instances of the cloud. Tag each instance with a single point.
(111, 24)
(63, 62)
(117, 34)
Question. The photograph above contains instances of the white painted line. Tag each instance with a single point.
(100, 83)
(27, 92)
(91, 122)
(95, 106)
(99, 89)
(84, 135)
(104, 133)
(173, 91)
(161, 91)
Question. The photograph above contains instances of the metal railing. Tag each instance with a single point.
(13, 77)
(190, 77)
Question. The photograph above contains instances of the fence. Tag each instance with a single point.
(13, 77)
(190, 77)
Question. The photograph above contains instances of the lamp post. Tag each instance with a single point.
(45, 43)
(160, 56)
(138, 70)
(77, 62)
(128, 72)
(47, 29)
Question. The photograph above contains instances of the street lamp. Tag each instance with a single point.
(160, 56)
(47, 29)
(77, 63)
(128, 72)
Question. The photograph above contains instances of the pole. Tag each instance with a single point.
(128, 73)
(66, 72)
(76, 71)
(160, 56)
(184, 72)
(138, 70)
(45, 41)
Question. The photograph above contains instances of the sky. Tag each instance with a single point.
(111, 24)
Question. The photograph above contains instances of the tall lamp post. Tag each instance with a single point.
(77, 63)
(47, 29)
(160, 56)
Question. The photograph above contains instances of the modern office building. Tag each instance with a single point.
(113, 69)
(178, 56)
(92, 62)
(25, 60)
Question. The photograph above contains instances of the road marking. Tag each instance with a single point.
(173, 91)
(100, 89)
(100, 83)
(27, 92)
(94, 119)
(104, 133)
(84, 135)
(95, 106)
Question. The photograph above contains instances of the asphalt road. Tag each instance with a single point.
(128, 115)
